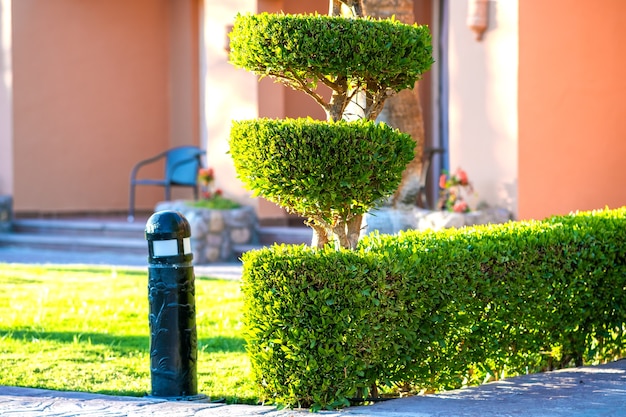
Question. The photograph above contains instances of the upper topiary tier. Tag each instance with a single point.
(379, 57)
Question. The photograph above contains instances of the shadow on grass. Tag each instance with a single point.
(97, 269)
(121, 343)
(222, 344)
(20, 281)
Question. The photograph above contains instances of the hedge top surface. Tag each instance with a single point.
(388, 53)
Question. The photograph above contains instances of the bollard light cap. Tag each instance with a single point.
(169, 238)
(167, 224)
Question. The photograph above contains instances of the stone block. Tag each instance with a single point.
(214, 239)
(212, 254)
(438, 220)
(216, 224)
(241, 217)
(198, 226)
(387, 220)
(240, 235)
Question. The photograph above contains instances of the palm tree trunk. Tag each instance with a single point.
(403, 110)
(351, 8)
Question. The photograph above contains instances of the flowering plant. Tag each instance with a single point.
(206, 177)
(454, 191)
(212, 197)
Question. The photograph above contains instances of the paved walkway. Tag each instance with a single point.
(29, 256)
(579, 392)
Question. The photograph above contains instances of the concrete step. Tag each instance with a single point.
(82, 227)
(77, 235)
(117, 236)
(75, 243)
(277, 235)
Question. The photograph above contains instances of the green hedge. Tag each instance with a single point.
(435, 309)
(386, 53)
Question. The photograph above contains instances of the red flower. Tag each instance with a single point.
(205, 175)
(460, 206)
(442, 181)
(452, 189)
(462, 176)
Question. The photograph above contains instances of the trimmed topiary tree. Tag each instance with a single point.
(331, 173)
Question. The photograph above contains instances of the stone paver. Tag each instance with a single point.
(22, 402)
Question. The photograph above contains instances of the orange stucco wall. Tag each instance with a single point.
(572, 146)
(95, 92)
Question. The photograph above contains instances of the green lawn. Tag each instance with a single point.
(86, 329)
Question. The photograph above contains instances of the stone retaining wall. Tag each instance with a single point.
(215, 233)
(389, 220)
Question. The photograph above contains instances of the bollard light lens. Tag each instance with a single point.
(165, 247)
(169, 247)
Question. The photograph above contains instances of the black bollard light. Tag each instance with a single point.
(171, 293)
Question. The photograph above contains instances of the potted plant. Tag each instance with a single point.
(212, 197)
(455, 189)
